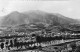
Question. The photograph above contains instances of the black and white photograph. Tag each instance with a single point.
(39, 25)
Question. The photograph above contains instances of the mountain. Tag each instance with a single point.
(17, 18)
(13, 18)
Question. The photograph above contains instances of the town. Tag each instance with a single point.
(40, 41)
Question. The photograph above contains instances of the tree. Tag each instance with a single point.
(77, 49)
(2, 45)
(73, 46)
(11, 43)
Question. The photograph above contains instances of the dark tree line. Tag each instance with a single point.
(39, 39)
(20, 45)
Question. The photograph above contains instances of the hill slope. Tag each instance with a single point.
(16, 18)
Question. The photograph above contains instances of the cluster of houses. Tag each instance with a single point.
(30, 39)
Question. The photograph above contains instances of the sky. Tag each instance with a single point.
(68, 8)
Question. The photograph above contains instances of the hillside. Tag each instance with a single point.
(17, 18)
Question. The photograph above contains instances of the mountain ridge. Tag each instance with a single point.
(18, 18)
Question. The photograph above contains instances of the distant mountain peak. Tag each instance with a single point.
(35, 12)
(35, 16)
(14, 12)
